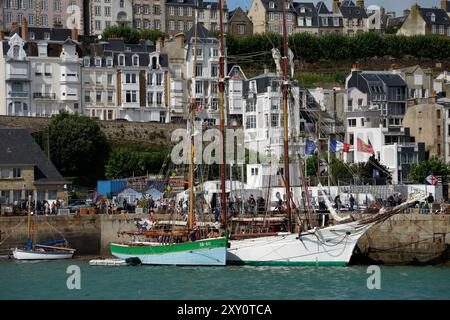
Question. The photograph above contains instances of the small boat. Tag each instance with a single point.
(54, 250)
(43, 252)
(108, 262)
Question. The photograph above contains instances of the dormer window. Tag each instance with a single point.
(121, 60)
(109, 62)
(128, 49)
(155, 62)
(135, 61)
(46, 35)
(302, 9)
(98, 62)
(31, 35)
(86, 61)
(287, 5)
(433, 17)
(271, 5)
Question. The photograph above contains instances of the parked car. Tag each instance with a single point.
(77, 205)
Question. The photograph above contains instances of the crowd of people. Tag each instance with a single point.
(38, 207)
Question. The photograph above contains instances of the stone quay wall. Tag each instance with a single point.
(144, 132)
(403, 239)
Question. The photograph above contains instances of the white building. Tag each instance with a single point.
(125, 81)
(43, 77)
(205, 88)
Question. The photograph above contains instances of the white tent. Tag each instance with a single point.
(129, 194)
(155, 193)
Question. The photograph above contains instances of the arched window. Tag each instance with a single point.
(155, 63)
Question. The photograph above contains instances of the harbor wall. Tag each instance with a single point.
(408, 239)
(403, 239)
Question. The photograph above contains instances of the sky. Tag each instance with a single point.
(390, 5)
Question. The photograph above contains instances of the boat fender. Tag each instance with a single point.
(135, 261)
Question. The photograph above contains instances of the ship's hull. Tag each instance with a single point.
(20, 254)
(332, 246)
(208, 252)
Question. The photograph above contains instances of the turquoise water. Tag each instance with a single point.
(48, 280)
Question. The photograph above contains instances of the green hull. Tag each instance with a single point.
(202, 252)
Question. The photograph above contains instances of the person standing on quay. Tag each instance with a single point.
(430, 201)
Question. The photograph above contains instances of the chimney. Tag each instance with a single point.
(74, 31)
(355, 67)
(24, 29)
(2, 35)
(393, 67)
(336, 6)
(432, 98)
(14, 26)
(444, 5)
(179, 38)
(159, 44)
(360, 3)
(406, 12)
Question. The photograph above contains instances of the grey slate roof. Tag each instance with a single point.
(368, 81)
(17, 147)
(56, 34)
(322, 8)
(441, 16)
(115, 47)
(350, 11)
(277, 6)
(203, 34)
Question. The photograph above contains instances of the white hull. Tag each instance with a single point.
(34, 255)
(332, 246)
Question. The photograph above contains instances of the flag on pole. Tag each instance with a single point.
(310, 147)
(432, 180)
(338, 146)
(365, 147)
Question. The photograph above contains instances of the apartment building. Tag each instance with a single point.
(125, 81)
(42, 72)
(149, 14)
(42, 13)
(100, 14)
(354, 17)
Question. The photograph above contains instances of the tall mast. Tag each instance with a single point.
(285, 87)
(29, 243)
(222, 117)
(192, 121)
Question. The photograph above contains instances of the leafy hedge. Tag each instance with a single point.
(337, 47)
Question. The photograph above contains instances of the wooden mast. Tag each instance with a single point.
(192, 127)
(29, 242)
(285, 88)
(222, 118)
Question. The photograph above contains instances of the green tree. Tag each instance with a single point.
(433, 166)
(78, 147)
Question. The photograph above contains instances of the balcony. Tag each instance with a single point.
(18, 94)
(44, 96)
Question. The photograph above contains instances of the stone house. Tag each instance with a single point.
(317, 19)
(426, 124)
(239, 24)
(421, 21)
(44, 14)
(26, 171)
(267, 16)
(180, 15)
(418, 80)
(149, 14)
(354, 17)
(100, 14)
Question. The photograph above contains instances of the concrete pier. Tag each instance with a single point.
(403, 239)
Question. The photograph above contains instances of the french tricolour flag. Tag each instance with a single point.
(338, 146)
